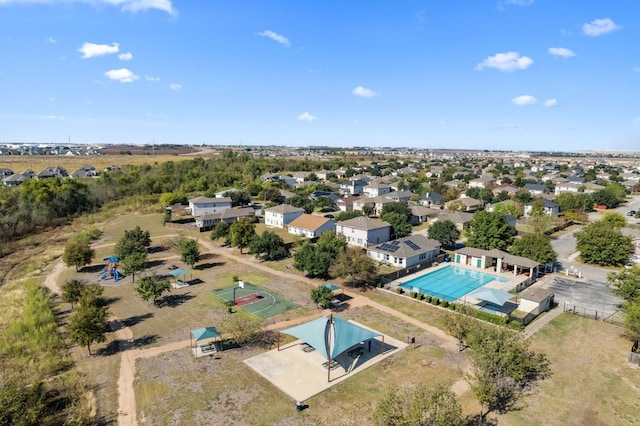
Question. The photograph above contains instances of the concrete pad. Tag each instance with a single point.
(301, 374)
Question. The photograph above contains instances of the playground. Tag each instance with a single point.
(255, 300)
(110, 269)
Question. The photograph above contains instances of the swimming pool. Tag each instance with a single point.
(450, 282)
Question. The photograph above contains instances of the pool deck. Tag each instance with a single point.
(514, 280)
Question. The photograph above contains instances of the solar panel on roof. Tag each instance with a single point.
(411, 244)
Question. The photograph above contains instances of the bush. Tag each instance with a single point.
(445, 303)
(380, 285)
(422, 296)
(435, 301)
(414, 294)
(452, 306)
(399, 290)
(429, 299)
(235, 278)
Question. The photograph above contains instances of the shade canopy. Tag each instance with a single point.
(204, 333)
(491, 295)
(332, 286)
(179, 272)
(331, 336)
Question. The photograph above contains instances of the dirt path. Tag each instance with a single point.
(51, 281)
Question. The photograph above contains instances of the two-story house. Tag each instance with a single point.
(364, 231)
(280, 216)
(201, 206)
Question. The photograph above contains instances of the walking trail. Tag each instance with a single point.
(129, 355)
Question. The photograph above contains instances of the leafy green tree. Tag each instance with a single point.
(632, 319)
(88, 325)
(367, 210)
(603, 245)
(418, 405)
(503, 369)
(444, 231)
(510, 208)
(534, 247)
(242, 327)
(190, 252)
(241, 233)
(23, 404)
(324, 204)
(355, 267)
(316, 259)
(460, 326)
(71, 291)
(322, 296)
(238, 198)
(626, 283)
(342, 216)
(268, 245)
(78, 254)
(397, 207)
(400, 227)
(133, 263)
(611, 195)
(489, 230)
(221, 230)
(272, 194)
(150, 288)
(538, 219)
(523, 196)
(133, 241)
(302, 202)
(614, 220)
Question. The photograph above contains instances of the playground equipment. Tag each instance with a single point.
(110, 269)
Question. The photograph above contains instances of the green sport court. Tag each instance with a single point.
(255, 300)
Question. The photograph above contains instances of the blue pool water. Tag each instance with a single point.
(450, 282)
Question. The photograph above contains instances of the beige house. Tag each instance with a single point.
(364, 231)
(310, 226)
(280, 216)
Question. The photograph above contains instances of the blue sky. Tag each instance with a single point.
(481, 74)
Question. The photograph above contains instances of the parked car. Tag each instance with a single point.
(631, 213)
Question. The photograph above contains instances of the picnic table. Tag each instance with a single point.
(208, 347)
(332, 366)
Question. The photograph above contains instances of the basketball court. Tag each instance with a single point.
(255, 300)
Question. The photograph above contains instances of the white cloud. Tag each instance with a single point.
(561, 51)
(54, 117)
(599, 27)
(90, 50)
(52, 98)
(508, 61)
(122, 75)
(549, 103)
(125, 56)
(636, 69)
(275, 36)
(175, 86)
(48, 39)
(524, 100)
(125, 5)
(305, 116)
(363, 92)
(150, 78)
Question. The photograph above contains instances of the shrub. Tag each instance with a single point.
(380, 285)
(445, 303)
(235, 278)
(414, 294)
(399, 290)
(435, 301)
(421, 296)
(452, 306)
(429, 299)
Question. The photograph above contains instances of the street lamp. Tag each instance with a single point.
(240, 285)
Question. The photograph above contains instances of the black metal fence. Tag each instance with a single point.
(600, 315)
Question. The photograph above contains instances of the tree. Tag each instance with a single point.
(302, 202)
(342, 216)
(150, 288)
(134, 262)
(241, 327)
(241, 233)
(88, 325)
(71, 291)
(503, 369)
(510, 207)
(272, 194)
(607, 197)
(323, 203)
(316, 259)
(632, 318)
(614, 220)
(445, 232)
(238, 198)
(534, 247)
(367, 210)
(322, 296)
(190, 252)
(78, 254)
(626, 283)
(538, 219)
(133, 241)
(268, 245)
(460, 326)
(355, 266)
(603, 245)
(489, 230)
(400, 227)
(221, 230)
(23, 404)
(417, 405)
